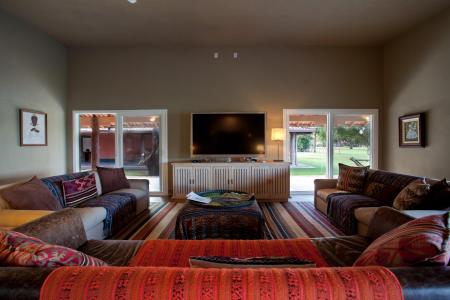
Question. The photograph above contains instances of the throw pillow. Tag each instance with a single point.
(352, 179)
(439, 196)
(112, 179)
(412, 195)
(32, 195)
(19, 250)
(419, 242)
(251, 262)
(79, 190)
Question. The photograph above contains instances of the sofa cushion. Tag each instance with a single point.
(341, 209)
(385, 186)
(79, 190)
(120, 210)
(324, 193)
(10, 218)
(351, 179)
(142, 198)
(412, 196)
(380, 191)
(91, 216)
(17, 249)
(113, 252)
(98, 183)
(112, 179)
(31, 195)
(420, 242)
(176, 253)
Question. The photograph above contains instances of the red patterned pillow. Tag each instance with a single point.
(19, 250)
(351, 179)
(423, 241)
(79, 190)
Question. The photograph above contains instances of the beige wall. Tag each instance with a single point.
(190, 80)
(417, 79)
(33, 75)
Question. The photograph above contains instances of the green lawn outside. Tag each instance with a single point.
(317, 161)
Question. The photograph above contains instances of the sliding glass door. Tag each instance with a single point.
(318, 140)
(134, 140)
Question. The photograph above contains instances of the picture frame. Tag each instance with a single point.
(411, 130)
(33, 128)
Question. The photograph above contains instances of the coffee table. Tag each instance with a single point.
(241, 220)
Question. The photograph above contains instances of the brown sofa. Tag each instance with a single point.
(65, 228)
(102, 216)
(352, 213)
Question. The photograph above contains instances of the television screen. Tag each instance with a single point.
(228, 134)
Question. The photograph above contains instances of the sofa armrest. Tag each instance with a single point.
(22, 282)
(139, 184)
(325, 184)
(10, 218)
(63, 227)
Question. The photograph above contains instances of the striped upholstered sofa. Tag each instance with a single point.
(162, 271)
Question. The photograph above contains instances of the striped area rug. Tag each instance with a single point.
(283, 221)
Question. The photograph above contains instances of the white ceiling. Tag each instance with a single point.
(224, 22)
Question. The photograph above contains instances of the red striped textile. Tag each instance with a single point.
(176, 253)
(368, 283)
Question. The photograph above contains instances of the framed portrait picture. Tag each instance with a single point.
(33, 128)
(411, 130)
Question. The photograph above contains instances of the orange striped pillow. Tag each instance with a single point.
(420, 242)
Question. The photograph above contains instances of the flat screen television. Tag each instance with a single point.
(228, 134)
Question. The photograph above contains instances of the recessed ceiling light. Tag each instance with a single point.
(132, 1)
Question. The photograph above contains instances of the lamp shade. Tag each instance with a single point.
(278, 134)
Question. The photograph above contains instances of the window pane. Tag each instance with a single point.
(141, 149)
(308, 150)
(351, 141)
(97, 141)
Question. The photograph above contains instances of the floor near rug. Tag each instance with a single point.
(282, 221)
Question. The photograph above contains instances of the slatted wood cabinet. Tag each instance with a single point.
(268, 181)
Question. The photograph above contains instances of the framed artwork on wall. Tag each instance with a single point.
(411, 130)
(33, 128)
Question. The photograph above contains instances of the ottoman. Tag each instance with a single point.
(241, 220)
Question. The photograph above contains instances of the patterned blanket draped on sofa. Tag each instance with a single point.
(341, 207)
(120, 210)
(120, 207)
